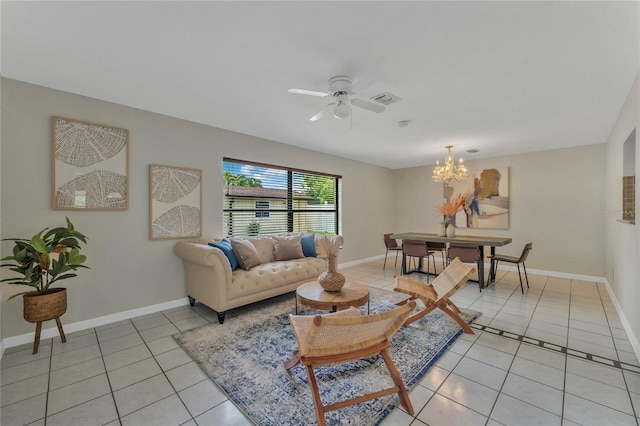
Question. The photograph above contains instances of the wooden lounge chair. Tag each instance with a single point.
(436, 294)
(345, 336)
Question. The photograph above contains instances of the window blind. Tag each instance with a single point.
(265, 199)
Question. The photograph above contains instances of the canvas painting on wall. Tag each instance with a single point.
(487, 199)
(175, 202)
(90, 163)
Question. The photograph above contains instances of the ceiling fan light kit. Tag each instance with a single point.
(342, 109)
(340, 87)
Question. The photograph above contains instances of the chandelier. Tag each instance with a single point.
(449, 170)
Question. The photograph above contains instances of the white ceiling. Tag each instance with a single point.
(501, 77)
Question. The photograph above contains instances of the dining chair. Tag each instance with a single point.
(466, 252)
(416, 249)
(439, 247)
(436, 294)
(495, 258)
(390, 244)
(346, 336)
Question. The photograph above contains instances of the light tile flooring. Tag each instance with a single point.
(133, 373)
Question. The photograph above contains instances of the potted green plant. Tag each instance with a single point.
(49, 256)
(254, 228)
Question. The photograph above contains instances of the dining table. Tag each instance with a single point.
(480, 240)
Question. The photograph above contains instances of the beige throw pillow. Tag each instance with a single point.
(245, 252)
(264, 247)
(287, 246)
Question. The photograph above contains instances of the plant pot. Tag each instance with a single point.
(45, 307)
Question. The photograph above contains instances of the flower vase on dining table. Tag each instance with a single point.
(451, 230)
(442, 230)
(450, 226)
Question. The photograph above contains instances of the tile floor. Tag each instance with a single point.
(556, 355)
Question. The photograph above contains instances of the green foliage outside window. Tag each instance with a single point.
(241, 180)
(322, 188)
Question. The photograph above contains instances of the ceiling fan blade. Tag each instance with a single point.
(366, 81)
(318, 116)
(308, 92)
(367, 105)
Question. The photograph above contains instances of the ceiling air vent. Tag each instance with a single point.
(385, 98)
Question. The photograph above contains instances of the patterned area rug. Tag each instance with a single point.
(244, 357)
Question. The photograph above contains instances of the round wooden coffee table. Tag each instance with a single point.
(312, 294)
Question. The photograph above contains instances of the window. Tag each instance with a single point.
(265, 199)
(262, 205)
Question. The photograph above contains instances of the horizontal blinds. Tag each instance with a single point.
(261, 199)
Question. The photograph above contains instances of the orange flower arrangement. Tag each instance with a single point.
(450, 209)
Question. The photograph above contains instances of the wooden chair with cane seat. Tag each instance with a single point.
(390, 244)
(511, 259)
(345, 336)
(436, 294)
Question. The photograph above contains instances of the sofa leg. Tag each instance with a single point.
(221, 317)
(192, 301)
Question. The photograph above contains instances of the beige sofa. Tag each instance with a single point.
(210, 279)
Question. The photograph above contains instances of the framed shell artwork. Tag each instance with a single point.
(90, 166)
(175, 196)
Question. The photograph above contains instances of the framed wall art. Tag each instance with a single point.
(90, 166)
(175, 196)
(487, 199)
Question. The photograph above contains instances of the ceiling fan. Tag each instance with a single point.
(340, 87)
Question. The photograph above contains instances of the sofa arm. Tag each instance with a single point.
(200, 253)
(207, 273)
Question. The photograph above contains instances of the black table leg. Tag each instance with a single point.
(492, 271)
(481, 268)
(404, 264)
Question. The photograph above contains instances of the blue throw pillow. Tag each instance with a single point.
(225, 246)
(309, 245)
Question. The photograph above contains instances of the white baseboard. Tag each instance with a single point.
(502, 267)
(359, 261)
(91, 323)
(633, 339)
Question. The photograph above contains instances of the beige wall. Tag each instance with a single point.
(128, 270)
(1, 292)
(621, 250)
(556, 201)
